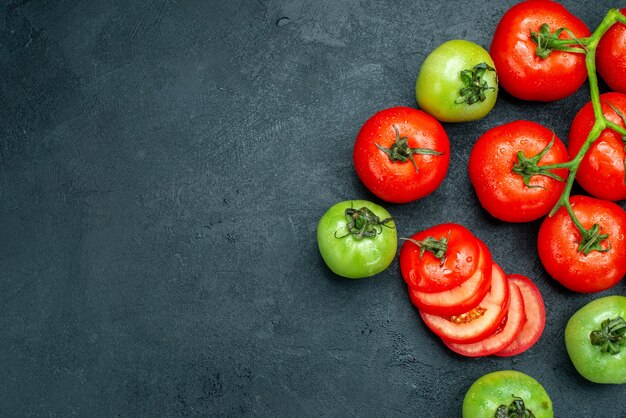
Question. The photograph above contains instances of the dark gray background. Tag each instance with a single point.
(163, 166)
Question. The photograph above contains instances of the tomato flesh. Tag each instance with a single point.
(535, 317)
(515, 318)
(481, 321)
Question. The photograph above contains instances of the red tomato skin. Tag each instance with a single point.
(559, 238)
(496, 303)
(611, 56)
(524, 74)
(601, 171)
(515, 318)
(535, 311)
(427, 273)
(503, 193)
(398, 182)
(462, 298)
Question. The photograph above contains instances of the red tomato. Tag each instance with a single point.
(601, 172)
(503, 192)
(611, 56)
(462, 298)
(535, 317)
(521, 71)
(401, 154)
(481, 321)
(559, 240)
(439, 258)
(504, 336)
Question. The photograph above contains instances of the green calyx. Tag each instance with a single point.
(400, 151)
(527, 167)
(362, 223)
(592, 240)
(516, 409)
(549, 41)
(610, 336)
(438, 247)
(474, 86)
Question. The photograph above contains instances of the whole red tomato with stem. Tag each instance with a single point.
(584, 262)
(611, 56)
(602, 170)
(401, 154)
(439, 258)
(506, 168)
(532, 52)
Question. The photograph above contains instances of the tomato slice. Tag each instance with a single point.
(461, 298)
(505, 335)
(479, 322)
(427, 269)
(535, 317)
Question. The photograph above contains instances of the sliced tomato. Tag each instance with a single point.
(504, 335)
(479, 322)
(461, 298)
(439, 258)
(535, 317)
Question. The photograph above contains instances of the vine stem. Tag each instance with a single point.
(590, 45)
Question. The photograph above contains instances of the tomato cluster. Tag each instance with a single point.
(521, 171)
(465, 298)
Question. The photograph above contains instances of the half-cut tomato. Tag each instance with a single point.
(535, 317)
(479, 322)
(503, 336)
(461, 298)
(439, 258)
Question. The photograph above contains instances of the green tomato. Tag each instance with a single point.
(506, 392)
(457, 82)
(595, 340)
(357, 238)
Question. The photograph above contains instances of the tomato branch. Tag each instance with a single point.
(591, 238)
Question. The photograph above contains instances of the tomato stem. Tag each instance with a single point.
(516, 409)
(610, 336)
(438, 247)
(549, 41)
(402, 152)
(591, 238)
(363, 223)
(475, 86)
(527, 167)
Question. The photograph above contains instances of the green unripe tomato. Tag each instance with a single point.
(457, 82)
(503, 388)
(601, 357)
(357, 238)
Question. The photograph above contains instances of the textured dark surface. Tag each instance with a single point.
(163, 166)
